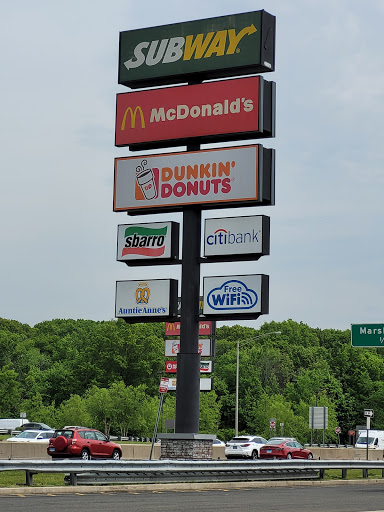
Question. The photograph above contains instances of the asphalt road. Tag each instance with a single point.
(320, 498)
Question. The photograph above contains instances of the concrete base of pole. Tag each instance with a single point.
(186, 446)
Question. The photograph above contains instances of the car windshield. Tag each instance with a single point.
(28, 435)
(276, 440)
(239, 439)
(363, 440)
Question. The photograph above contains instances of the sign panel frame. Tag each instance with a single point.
(155, 243)
(213, 178)
(172, 347)
(232, 245)
(221, 111)
(206, 384)
(367, 335)
(237, 44)
(247, 296)
(132, 297)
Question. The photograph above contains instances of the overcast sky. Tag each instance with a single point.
(58, 85)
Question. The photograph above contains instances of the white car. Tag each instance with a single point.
(33, 436)
(218, 442)
(244, 447)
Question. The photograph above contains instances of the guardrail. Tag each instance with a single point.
(166, 471)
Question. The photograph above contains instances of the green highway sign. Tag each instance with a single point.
(367, 335)
(197, 50)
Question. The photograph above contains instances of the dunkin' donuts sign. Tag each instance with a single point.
(214, 111)
(232, 175)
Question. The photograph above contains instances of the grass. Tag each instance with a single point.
(352, 474)
(17, 479)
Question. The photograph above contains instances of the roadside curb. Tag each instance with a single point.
(175, 487)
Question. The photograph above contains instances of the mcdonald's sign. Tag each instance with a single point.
(237, 109)
(173, 328)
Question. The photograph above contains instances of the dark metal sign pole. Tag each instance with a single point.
(188, 358)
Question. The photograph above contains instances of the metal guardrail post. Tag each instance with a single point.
(344, 473)
(29, 477)
(72, 478)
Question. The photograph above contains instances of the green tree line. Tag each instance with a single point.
(106, 375)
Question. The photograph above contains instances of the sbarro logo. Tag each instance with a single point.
(233, 294)
(144, 241)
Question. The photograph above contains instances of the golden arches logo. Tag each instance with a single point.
(133, 114)
(142, 293)
(170, 327)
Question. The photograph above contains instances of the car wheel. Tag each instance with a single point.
(310, 456)
(116, 455)
(85, 455)
(289, 455)
(254, 455)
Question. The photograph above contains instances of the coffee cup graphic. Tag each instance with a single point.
(146, 180)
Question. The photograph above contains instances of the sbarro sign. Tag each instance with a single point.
(233, 296)
(235, 109)
(236, 236)
(155, 241)
(211, 48)
(216, 178)
(151, 300)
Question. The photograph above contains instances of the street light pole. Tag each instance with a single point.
(246, 341)
(237, 390)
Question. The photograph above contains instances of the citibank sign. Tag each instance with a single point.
(234, 236)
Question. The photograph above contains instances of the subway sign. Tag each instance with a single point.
(236, 296)
(215, 178)
(232, 45)
(157, 242)
(236, 109)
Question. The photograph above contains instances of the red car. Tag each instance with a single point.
(82, 442)
(284, 448)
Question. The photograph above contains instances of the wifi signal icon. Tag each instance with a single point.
(247, 300)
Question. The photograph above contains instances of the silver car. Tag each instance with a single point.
(244, 447)
(32, 436)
